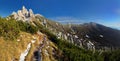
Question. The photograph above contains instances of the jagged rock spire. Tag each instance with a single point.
(31, 12)
(23, 7)
(24, 11)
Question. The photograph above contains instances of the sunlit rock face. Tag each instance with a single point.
(24, 15)
(24, 11)
(31, 13)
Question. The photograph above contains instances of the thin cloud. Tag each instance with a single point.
(117, 11)
(115, 25)
(68, 19)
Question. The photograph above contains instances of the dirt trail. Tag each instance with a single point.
(37, 54)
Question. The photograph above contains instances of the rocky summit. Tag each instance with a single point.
(24, 15)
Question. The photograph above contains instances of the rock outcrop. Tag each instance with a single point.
(24, 15)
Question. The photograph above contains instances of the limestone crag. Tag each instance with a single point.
(24, 15)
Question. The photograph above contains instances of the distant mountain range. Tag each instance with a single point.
(99, 34)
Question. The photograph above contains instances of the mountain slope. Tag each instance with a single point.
(100, 35)
(46, 40)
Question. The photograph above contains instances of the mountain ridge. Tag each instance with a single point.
(71, 32)
(53, 41)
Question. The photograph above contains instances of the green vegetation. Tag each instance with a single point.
(26, 27)
(70, 51)
(74, 53)
(112, 56)
(10, 29)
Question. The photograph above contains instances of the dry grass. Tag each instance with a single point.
(11, 50)
(34, 47)
(49, 49)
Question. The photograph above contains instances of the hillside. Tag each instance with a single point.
(25, 36)
(99, 34)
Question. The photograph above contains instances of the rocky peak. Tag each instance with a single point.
(31, 12)
(19, 13)
(23, 14)
(24, 10)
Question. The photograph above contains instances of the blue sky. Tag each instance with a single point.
(106, 12)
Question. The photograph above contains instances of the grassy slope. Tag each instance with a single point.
(49, 50)
(10, 50)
